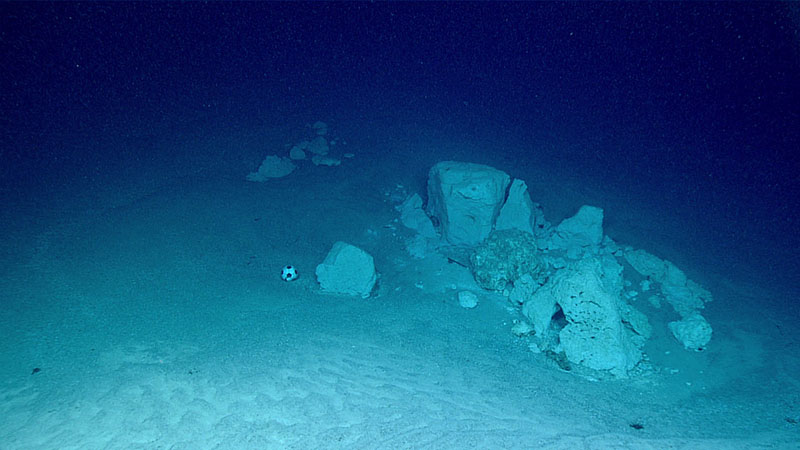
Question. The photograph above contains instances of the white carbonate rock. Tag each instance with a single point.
(465, 198)
(322, 160)
(417, 246)
(297, 153)
(518, 211)
(272, 167)
(540, 307)
(320, 128)
(523, 289)
(694, 332)
(685, 296)
(584, 229)
(599, 334)
(647, 264)
(318, 146)
(467, 299)
(347, 270)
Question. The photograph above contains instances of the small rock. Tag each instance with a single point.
(296, 153)
(320, 128)
(467, 299)
(321, 160)
(522, 329)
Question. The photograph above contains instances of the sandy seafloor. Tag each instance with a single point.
(149, 298)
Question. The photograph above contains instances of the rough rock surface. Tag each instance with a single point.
(584, 229)
(596, 336)
(503, 258)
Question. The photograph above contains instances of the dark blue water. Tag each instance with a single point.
(693, 106)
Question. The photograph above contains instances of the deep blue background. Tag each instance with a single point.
(696, 101)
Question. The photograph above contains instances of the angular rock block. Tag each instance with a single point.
(347, 270)
(518, 212)
(685, 296)
(596, 335)
(584, 229)
(466, 199)
(413, 216)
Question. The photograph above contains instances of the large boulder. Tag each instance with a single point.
(597, 334)
(465, 199)
(518, 212)
(347, 270)
(685, 296)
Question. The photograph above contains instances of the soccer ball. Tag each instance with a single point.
(288, 273)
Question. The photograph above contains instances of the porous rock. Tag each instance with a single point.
(503, 258)
(596, 335)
